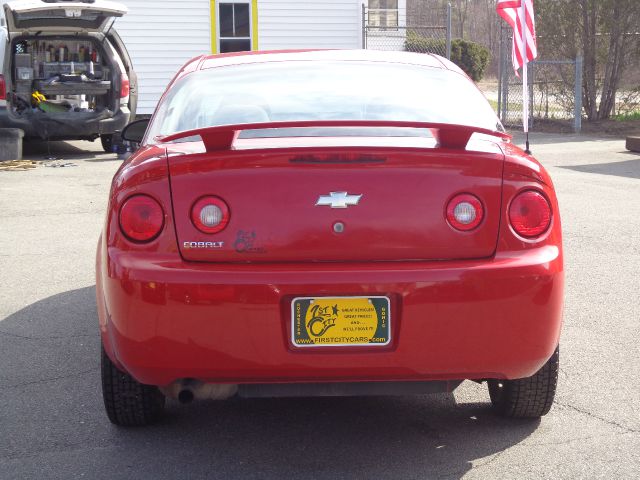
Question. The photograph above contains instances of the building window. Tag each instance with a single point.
(235, 27)
(383, 13)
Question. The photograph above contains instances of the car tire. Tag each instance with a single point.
(107, 143)
(128, 402)
(530, 397)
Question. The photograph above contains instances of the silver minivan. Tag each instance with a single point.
(66, 73)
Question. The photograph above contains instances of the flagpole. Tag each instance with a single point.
(525, 84)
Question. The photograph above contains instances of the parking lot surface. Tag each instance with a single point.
(52, 423)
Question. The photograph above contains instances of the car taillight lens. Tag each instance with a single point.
(141, 218)
(3, 88)
(210, 214)
(125, 86)
(465, 212)
(530, 214)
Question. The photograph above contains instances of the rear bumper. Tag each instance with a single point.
(163, 319)
(67, 126)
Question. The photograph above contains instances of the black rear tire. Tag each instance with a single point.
(530, 397)
(107, 143)
(128, 402)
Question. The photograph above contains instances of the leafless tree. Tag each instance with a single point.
(460, 12)
(604, 32)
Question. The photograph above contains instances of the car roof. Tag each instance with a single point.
(238, 58)
(205, 62)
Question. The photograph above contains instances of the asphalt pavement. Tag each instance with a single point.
(52, 423)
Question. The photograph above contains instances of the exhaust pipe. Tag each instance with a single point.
(187, 390)
(185, 396)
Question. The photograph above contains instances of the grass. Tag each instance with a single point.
(627, 117)
(516, 107)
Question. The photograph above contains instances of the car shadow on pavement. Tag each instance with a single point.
(626, 168)
(53, 420)
(545, 138)
(41, 149)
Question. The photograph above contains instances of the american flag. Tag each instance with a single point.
(516, 16)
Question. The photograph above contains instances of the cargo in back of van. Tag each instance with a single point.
(66, 73)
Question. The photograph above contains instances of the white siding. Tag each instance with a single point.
(309, 24)
(161, 35)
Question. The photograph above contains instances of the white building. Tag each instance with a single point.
(161, 35)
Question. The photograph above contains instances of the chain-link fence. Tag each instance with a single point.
(404, 30)
(555, 90)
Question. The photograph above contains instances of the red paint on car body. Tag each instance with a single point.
(476, 304)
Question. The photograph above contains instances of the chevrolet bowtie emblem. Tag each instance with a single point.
(338, 200)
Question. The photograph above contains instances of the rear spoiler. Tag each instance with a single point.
(223, 137)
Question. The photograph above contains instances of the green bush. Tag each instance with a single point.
(471, 57)
(419, 44)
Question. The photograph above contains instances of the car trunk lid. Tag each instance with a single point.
(335, 201)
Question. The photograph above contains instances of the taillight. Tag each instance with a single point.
(465, 212)
(125, 86)
(141, 218)
(3, 88)
(210, 214)
(530, 214)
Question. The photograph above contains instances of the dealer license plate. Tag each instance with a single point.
(340, 321)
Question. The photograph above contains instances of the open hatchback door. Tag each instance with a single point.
(27, 17)
(65, 76)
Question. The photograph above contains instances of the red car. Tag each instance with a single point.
(327, 223)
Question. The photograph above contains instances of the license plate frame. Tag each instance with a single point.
(341, 321)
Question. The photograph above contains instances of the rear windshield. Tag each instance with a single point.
(315, 90)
